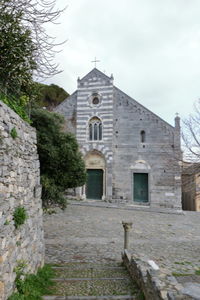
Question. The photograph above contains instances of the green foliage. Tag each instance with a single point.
(17, 53)
(52, 193)
(50, 95)
(197, 272)
(30, 286)
(61, 162)
(13, 133)
(6, 222)
(19, 216)
(18, 105)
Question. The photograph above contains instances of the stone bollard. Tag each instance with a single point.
(127, 226)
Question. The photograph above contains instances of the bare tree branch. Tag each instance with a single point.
(35, 14)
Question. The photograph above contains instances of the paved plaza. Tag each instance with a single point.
(95, 234)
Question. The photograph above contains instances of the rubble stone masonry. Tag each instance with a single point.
(19, 186)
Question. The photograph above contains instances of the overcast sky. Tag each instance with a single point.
(152, 47)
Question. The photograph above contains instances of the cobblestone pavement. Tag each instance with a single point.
(95, 234)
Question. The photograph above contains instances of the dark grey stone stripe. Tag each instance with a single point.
(89, 107)
(108, 110)
(108, 123)
(83, 118)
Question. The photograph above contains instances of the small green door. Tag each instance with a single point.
(94, 185)
(140, 187)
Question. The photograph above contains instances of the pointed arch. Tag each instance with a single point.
(95, 129)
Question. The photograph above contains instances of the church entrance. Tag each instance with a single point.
(94, 185)
(140, 187)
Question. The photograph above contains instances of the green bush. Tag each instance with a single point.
(19, 216)
(13, 133)
(61, 162)
(49, 95)
(18, 105)
(33, 287)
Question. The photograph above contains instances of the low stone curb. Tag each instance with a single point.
(124, 297)
(156, 284)
(126, 206)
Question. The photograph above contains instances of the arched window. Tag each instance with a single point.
(142, 136)
(95, 129)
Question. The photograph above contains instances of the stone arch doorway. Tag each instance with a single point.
(96, 168)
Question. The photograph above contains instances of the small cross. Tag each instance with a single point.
(95, 62)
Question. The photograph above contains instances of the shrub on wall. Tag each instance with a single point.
(18, 105)
(31, 286)
(19, 216)
(13, 133)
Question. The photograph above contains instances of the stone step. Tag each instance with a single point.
(89, 266)
(119, 297)
(93, 287)
(91, 272)
(90, 279)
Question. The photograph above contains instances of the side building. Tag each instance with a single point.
(131, 154)
(191, 186)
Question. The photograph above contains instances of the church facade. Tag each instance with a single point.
(131, 154)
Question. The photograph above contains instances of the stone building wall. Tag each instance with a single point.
(19, 186)
(191, 187)
(125, 155)
(157, 155)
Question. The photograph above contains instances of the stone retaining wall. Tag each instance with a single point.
(19, 186)
(155, 284)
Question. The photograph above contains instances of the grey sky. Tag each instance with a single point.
(152, 47)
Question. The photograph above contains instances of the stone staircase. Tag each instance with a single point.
(90, 281)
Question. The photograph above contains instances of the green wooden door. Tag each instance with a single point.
(140, 187)
(94, 185)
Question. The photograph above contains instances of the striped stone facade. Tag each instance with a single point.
(123, 122)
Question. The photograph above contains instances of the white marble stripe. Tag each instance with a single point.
(81, 115)
(109, 115)
(105, 97)
(87, 112)
(83, 126)
(85, 104)
(99, 87)
(84, 99)
(85, 118)
(99, 108)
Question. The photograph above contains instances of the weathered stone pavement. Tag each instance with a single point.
(95, 234)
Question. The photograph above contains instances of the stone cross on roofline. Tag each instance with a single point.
(95, 62)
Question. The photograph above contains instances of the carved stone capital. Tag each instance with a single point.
(127, 225)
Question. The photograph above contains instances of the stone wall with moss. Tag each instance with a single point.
(21, 228)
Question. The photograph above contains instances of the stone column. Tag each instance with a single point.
(78, 192)
(127, 226)
(83, 193)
